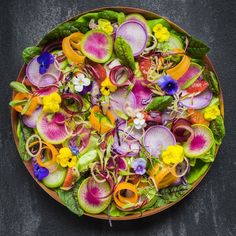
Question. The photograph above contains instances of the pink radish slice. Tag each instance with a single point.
(192, 71)
(48, 79)
(119, 101)
(45, 91)
(50, 130)
(135, 133)
(135, 34)
(158, 138)
(142, 94)
(198, 102)
(31, 120)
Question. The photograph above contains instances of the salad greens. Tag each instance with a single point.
(118, 114)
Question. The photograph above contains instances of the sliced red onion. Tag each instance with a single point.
(50, 78)
(96, 70)
(113, 64)
(75, 98)
(198, 102)
(158, 138)
(31, 120)
(153, 118)
(121, 76)
(182, 130)
(95, 93)
(46, 90)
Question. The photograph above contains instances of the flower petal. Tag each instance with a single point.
(86, 81)
(79, 88)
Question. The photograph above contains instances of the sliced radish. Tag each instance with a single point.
(158, 138)
(50, 130)
(198, 102)
(97, 46)
(135, 34)
(201, 142)
(50, 78)
(31, 120)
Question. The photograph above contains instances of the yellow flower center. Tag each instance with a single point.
(107, 87)
(65, 158)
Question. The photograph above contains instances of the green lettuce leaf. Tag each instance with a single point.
(218, 129)
(30, 52)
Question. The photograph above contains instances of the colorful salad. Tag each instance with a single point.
(116, 113)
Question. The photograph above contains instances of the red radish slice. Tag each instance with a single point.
(135, 34)
(192, 71)
(198, 86)
(97, 46)
(48, 79)
(158, 138)
(198, 102)
(50, 130)
(31, 120)
(119, 100)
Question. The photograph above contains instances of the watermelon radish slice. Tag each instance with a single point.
(158, 138)
(91, 200)
(135, 34)
(201, 142)
(97, 46)
(31, 120)
(198, 102)
(50, 130)
(55, 179)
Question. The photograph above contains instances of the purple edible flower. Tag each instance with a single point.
(139, 166)
(40, 172)
(168, 84)
(44, 60)
(74, 150)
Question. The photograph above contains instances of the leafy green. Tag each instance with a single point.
(19, 87)
(189, 82)
(108, 15)
(26, 106)
(209, 156)
(23, 136)
(121, 18)
(213, 82)
(30, 52)
(124, 52)
(196, 48)
(17, 102)
(171, 194)
(159, 103)
(86, 159)
(218, 129)
(152, 23)
(64, 30)
(70, 198)
(197, 171)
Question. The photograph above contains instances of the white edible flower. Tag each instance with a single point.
(80, 81)
(139, 121)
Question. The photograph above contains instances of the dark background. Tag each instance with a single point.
(210, 209)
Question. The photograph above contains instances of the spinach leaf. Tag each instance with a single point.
(64, 30)
(124, 52)
(23, 136)
(197, 171)
(70, 198)
(30, 52)
(171, 194)
(218, 129)
(159, 103)
(196, 48)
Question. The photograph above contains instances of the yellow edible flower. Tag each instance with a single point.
(211, 113)
(105, 25)
(65, 158)
(107, 87)
(161, 33)
(51, 103)
(173, 154)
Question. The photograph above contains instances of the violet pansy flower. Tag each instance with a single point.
(139, 166)
(168, 84)
(45, 59)
(40, 172)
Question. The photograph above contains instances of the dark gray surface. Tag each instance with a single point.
(210, 209)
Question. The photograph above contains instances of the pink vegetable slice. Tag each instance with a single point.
(198, 102)
(158, 138)
(50, 130)
(135, 34)
(50, 78)
(97, 46)
(31, 120)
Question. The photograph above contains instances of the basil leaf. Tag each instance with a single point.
(218, 129)
(17, 103)
(189, 82)
(197, 171)
(124, 52)
(159, 103)
(23, 136)
(26, 107)
(70, 198)
(196, 48)
(19, 87)
(30, 52)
